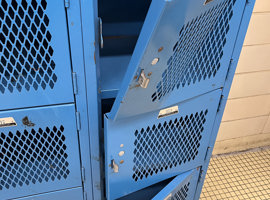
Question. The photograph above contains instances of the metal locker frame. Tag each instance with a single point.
(226, 89)
(84, 51)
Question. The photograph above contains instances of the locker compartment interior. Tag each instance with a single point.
(121, 25)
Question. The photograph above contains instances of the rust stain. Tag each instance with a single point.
(160, 49)
(27, 122)
(135, 77)
(149, 74)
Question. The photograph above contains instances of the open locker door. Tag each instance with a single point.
(143, 150)
(184, 50)
(180, 188)
(162, 118)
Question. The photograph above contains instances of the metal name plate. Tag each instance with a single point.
(7, 122)
(168, 111)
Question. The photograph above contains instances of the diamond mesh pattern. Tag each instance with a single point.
(197, 53)
(168, 145)
(25, 51)
(30, 157)
(182, 193)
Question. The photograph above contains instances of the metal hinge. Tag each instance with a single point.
(67, 3)
(200, 176)
(85, 195)
(75, 84)
(207, 152)
(220, 102)
(78, 120)
(229, 68)
(83, 174)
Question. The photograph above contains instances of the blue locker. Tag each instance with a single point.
(40, 152)
(113, 100)
(40, 144)
(180, 65)
(35, 64)
(143, 150)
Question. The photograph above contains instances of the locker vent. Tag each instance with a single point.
(167, 145)
(30, 157)
(25, 51)
(197, 53)
(182, 193)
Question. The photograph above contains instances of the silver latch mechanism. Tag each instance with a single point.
(143, 80)
(114, 166)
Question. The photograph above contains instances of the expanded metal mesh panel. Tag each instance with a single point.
(39, 152)
(142, 151)
(34, 52)
(197, 53)
(167, 145)
(182, 193)
(32, 156)
(26, 54)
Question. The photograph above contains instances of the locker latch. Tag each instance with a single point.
(114, 166)
(143, 80)
(101, 34)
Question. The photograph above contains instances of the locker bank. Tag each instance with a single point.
(113, 99)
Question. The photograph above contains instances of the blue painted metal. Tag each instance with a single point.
(181, 187)
(70, 194)
(41, 153)
(35, 60)
(90, 35)
(157, 149)
(227, 86)
(195, 44)
(113, 69)
(45, 31)
(86, 97)
(211, 27)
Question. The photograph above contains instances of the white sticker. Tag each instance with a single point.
(7, 122)
(168, 111)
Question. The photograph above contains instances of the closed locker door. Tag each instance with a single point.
(39, 151)
(34, 54)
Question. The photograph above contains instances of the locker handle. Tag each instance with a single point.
(114, 166)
